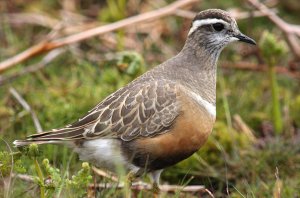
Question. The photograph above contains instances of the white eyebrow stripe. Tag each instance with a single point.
(202, 22)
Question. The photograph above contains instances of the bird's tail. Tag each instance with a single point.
(57, 136)
(21, 143)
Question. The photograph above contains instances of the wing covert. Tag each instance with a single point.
(139, 110)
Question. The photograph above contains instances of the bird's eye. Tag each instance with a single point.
(218, 26)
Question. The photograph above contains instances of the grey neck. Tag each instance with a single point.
(195, 67)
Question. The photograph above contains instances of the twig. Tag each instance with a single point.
(135, 185)
(146, 186)
(47, 22)
(259, 67)
(31, 18)
(245, 15)
(277, 191)
(236, 14)
(105, 174)
(26, 106)
(33, 68)
(240, 125)
(52, 44)
(290, 31)
(209, 193)
(24, 177)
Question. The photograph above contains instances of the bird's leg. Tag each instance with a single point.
(155, 175)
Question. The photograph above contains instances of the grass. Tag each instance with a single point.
(228, 163)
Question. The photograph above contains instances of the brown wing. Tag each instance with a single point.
(133, 111)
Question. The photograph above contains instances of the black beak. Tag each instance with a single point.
(246, 39)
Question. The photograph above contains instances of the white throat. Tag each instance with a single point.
(209, 107)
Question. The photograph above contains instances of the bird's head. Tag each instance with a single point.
(214, 29)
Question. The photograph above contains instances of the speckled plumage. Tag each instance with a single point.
(144, 108)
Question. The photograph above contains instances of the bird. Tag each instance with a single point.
(163, 116)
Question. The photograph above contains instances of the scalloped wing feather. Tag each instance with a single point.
(139, 110)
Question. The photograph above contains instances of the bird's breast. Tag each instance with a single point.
(189, 132)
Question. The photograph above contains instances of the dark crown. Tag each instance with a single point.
(214, 14)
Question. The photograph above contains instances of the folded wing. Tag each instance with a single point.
(138, 110)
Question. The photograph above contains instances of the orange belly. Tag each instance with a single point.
(189, 133)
